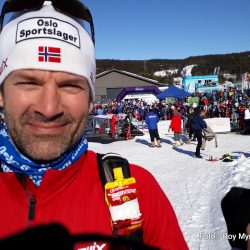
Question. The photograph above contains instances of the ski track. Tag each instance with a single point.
(195, 187)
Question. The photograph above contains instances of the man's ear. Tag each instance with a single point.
(91, 106)
(1, 96)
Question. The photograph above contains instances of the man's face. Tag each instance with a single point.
(46, 112)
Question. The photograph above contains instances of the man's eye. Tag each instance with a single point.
(72, 88)
(27, 85)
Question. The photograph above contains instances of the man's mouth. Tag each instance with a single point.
(47, 128)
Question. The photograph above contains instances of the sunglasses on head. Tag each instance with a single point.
(72, 7)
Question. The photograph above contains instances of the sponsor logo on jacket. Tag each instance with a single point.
(95, 246)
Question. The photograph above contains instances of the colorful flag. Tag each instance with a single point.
(49, 54)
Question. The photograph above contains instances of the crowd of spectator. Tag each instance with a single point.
(231, 103)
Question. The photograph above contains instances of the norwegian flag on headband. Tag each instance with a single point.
(49, 54)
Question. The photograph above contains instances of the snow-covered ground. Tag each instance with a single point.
(195, 187)
(166, 72)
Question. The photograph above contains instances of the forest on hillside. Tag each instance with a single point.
(234, 64)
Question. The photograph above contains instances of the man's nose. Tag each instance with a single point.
(49, 101)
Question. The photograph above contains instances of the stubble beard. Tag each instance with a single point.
(44, 147)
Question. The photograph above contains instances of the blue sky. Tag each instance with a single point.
(169, 29)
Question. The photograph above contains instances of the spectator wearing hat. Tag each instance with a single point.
(198, 125)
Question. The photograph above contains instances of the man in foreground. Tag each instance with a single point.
(47, 174)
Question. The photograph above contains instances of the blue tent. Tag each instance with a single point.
(173, 91)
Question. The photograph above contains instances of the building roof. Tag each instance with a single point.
(128, 74)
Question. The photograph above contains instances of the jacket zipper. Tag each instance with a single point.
(30, 197)
(31, 208)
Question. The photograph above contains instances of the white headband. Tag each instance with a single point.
(47, 40)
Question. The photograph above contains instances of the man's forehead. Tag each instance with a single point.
(43, 74)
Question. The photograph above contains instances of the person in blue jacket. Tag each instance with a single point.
(198, 125)
(152, 120)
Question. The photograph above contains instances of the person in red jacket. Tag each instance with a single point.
(48, 175)
(206, 102)
(175, 126)
(113, 124)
